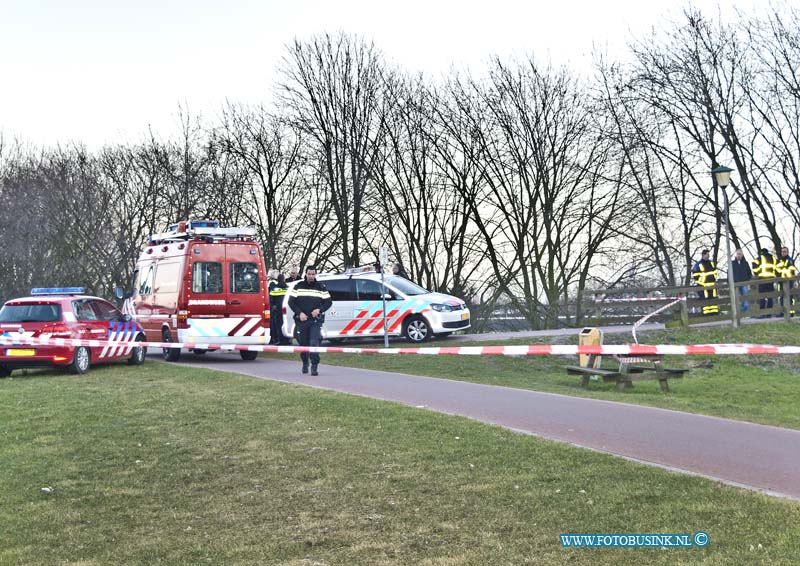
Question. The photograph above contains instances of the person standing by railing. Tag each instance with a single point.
(785, 268)
(741, 272)
(705, 273)
(764, 268)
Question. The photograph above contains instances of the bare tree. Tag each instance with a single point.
(284, 198)
(696, 74)
(774, 101)
(541, 207)
(332, 88)
(414, 207)
(663, 221)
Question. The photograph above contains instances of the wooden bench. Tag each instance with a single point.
(631, 368)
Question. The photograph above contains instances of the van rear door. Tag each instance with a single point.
(207, 297)
(246, 285)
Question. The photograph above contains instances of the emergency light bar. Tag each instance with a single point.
(210, 231)
(362, 269)
(58, 291)
(191, 224)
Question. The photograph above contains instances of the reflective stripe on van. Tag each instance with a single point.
(218, 327)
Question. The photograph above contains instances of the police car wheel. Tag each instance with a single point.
(170, 354)
(138, 353)
(80, 361)
(248, 355)
(4, 371)
(417, 329)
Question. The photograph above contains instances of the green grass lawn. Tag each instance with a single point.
(173, 465)
(763, 389)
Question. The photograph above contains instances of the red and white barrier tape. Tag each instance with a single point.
(531, 350)
(645, 318)
(636, 299)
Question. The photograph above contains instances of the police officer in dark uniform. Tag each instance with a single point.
(309, 299)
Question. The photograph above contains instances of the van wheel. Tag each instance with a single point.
(416, 329)
(4, 371)
(81, 361)
(170, 354)
(248, 355)
(138, 353)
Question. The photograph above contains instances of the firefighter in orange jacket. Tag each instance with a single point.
(705, 273)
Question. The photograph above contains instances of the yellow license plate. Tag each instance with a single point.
(20, 353)
(465, 316)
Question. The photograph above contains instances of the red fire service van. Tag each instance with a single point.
(200, 284)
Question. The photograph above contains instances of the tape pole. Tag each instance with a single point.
(529, 350)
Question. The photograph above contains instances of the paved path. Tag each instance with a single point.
(758, 457)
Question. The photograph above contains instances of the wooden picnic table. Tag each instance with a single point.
(631, 368)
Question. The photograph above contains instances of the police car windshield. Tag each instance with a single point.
(30, 313)
(405, 286)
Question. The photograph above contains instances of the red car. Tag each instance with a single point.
(66, 313)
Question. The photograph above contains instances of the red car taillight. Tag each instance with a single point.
(57, 330)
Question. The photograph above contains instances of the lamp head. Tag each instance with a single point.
(722, 175)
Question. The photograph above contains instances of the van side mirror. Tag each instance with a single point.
(120, 293)
(126, 318)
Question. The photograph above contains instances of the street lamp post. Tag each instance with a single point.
(722, 175)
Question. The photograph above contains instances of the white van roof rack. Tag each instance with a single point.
(202, 229)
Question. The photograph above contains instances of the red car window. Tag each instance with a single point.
(105, 311)
(30, 313)
(83, 310)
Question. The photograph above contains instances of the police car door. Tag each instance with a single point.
(338, 318)
(369, 309)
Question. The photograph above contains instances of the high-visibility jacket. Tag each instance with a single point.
(764, 266)
(785, 267)
(276, 293)
(306, 297)
(705, 273)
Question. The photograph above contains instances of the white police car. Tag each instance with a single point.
(411, 311)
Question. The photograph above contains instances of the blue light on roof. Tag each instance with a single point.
(57, 291)
(204, 224)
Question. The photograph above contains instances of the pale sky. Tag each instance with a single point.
(103, 71)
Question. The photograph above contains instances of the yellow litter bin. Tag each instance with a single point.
(590, 337)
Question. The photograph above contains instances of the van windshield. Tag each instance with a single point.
(30, 313)
(405, 286)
